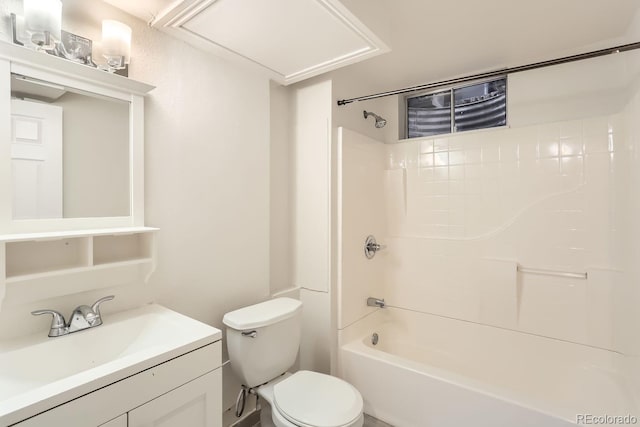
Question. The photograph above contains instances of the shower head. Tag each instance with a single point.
(380, 122)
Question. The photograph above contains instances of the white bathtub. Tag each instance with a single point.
(428, 371)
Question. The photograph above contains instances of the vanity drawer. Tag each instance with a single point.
(105, 404)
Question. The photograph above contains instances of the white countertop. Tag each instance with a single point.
(38, 372)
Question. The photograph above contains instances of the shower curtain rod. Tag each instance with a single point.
(497, 73)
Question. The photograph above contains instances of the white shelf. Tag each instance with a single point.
(76, 270)
(65, 67)
(56, 235)
(123, 263)
(45, 265)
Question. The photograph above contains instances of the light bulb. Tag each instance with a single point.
(43, 18)
(116, 43)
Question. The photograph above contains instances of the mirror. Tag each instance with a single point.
(70, 152)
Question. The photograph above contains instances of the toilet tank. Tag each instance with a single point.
(263, 339)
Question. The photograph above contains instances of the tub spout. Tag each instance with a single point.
(375, 302)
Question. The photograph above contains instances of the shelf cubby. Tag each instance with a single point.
(121, 248)
(46, 265)
(36, 257)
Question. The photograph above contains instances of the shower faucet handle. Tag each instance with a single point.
(371, 246)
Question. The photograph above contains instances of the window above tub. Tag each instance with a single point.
(475, 106)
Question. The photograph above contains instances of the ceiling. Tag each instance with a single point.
(146, 10)
(432, 40)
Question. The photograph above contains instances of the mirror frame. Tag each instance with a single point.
(41, 66)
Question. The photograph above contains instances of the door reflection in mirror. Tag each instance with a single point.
(70, 152)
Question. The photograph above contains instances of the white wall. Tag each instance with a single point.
(310, 208)
(311, 150)
(311, 193)
(626, 294)
(347, 83)
(362, 212)
(281, 206)
(207, 173)
(4, 21)
(95, 157)
(314, 169)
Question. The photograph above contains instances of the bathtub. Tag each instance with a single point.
(428, 370)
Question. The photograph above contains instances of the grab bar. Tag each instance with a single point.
(565, 274)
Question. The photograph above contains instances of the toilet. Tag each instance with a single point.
(263, 341)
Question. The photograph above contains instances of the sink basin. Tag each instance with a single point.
(37, 372)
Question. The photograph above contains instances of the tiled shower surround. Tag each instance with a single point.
(474, 185)
(477, 205)
(461, 212)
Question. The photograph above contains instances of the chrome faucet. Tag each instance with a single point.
(83, 317)
(375, 302)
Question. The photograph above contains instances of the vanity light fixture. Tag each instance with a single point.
(116, 44)
(43, 21)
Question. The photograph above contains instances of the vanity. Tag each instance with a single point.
(140, 367)
(72, 230)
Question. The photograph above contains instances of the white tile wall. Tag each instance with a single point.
(558, 190)
(551, 196)
(461, 212)
(478, 204)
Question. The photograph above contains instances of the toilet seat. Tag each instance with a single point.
(279, 420)
(311, 399)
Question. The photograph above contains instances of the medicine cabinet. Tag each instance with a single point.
(71, 178)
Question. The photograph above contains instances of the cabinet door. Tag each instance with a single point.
(136, 391)
(121, 421)
(195, 404)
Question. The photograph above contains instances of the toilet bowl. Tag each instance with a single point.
(263, 342)
(310, 399)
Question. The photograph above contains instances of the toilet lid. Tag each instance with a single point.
(312, 399)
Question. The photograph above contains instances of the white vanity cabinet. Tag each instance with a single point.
(184, 391)
(197, 403)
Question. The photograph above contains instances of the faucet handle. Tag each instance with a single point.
(96, 307)
(371, 246)
(58, 324)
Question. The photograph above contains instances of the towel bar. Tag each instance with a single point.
(565, 274)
